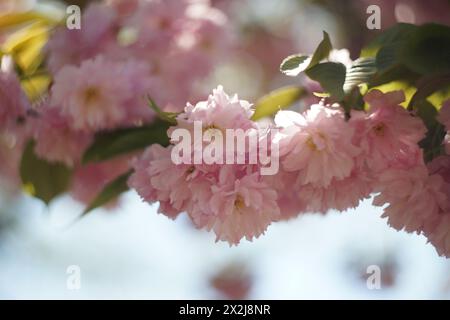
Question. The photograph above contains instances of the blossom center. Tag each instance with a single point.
(379, 129)
(91, 95)
(239, 202)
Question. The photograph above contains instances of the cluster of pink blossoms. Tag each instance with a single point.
(326, 162)
(102, 74)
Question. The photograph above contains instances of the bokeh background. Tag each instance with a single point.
(131, 252)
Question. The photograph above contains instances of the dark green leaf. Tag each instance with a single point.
(427, 49)
(331, 77)
(395, 73)
(432, 143)
(110, 192)
(392, 35)
(108, 145)
(387, 56)
(428, 85)
(40, 178)
(353, 101)
(277, 100)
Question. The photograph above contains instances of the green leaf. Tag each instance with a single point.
(392, 35)
(110, 192)
(277, 100)
(427, 49)
(432, 143)
(297, 63)
(331, 77)
(428, 85)
(395, 73)
(108, 145)
(169, 117)
(322, 51)
(42, 179)
(387, 56)
(360, 72)
(353, 100)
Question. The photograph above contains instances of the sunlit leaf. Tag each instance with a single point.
(276, 100)
(297, 63)
(25, 46)
(36, 86)
(17, 19)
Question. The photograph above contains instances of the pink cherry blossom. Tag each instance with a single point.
(220, 111)
(339, 195)
(312, 145)
(389, 134)
(72, 46)
(439, 234)
(240, 205)
(414, 197)
(157, 178)
(99, 94)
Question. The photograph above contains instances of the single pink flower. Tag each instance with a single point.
(389, 133)
(316, 145)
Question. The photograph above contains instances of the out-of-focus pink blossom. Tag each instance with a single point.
(56, 140)
(73, 46)
(13, 102)
(100, 94)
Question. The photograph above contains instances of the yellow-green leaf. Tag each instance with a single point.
(277, 100)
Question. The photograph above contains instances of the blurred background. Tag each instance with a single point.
(131, 252)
